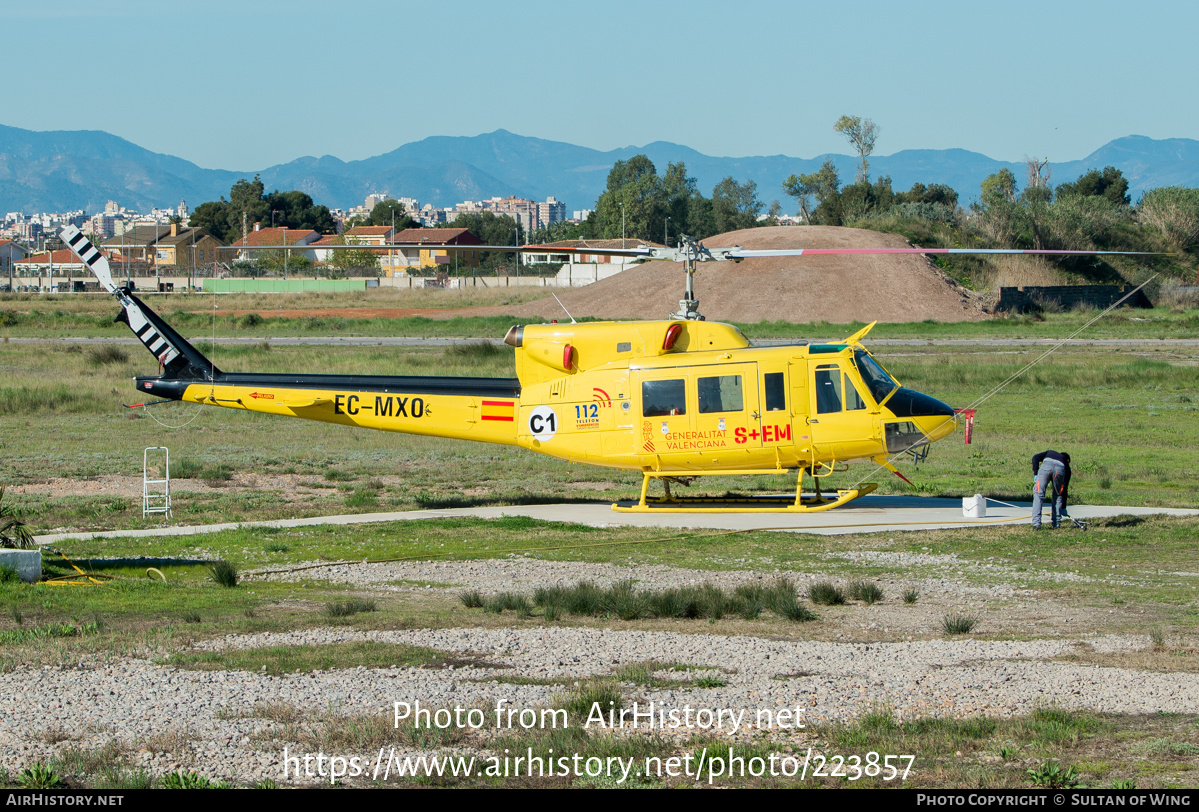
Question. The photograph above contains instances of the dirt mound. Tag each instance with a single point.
(838, 289)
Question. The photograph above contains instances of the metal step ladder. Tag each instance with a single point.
(156, 493)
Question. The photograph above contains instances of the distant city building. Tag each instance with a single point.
(530, 214)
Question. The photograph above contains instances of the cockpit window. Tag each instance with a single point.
(874, 376)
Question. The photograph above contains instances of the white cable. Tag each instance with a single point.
(1017, 374)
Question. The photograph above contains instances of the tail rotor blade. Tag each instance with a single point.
(91, 256)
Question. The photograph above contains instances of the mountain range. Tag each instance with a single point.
(83, 169)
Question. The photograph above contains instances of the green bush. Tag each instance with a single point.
(352, 606)
(825, 593)
(223, 573)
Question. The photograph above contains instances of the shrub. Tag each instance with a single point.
(578, 704)
(1051, 775)
(825, 593)
(14, 534)
(508, 601)
(868, 592)
(107, 354)
(1172, 211)
(39, 776)
(349, 607)
(223, 573)
(959, 624)
(188, 780)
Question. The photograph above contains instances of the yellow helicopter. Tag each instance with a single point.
(674, 399)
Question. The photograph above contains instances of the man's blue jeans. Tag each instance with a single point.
(1052, 475)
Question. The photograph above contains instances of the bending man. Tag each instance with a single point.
(1052, 472)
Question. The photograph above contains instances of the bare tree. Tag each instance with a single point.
(861, 133)
(1038, 173)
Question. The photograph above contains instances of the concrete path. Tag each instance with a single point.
(870, 514)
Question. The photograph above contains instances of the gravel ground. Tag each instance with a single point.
(886, 654)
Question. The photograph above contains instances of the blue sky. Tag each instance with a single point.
(244, 85)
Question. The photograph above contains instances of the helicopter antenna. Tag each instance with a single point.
(564, 310)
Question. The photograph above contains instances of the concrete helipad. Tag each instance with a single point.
(870, 514)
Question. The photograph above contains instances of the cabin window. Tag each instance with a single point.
(721, 393)
(661, 398)
(776, 391)
(853, 400)
(828, 389)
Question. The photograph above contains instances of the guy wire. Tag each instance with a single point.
(1011, 378)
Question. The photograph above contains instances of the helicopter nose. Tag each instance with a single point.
(930, 416)
(907, 403)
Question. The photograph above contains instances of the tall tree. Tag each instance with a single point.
(735, 205)
(862, 133)
(247, 204)
(632, 203)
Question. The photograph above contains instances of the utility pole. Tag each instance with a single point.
(622, 235)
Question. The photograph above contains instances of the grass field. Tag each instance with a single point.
(1126, 415)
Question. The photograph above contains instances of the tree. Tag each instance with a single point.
(633, 204)
(861, 134)
(936, 194)
(295, 209)
(211, 217)
(1109, 184)
(247, 203)
(387, 212)
(821, 185)
(493, 229)
(735, 205)
(999, 187)
(1038, 173)
(245, 198)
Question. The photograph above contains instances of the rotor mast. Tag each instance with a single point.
(690, 250)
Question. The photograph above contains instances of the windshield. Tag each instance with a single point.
(876, 378)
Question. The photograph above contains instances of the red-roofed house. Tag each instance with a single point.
(56, 267)
(369, 235)
(277, 235)
(426, 253)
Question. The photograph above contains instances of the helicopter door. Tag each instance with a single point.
(842, 427)
(728, 411)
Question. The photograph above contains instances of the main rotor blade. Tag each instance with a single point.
(741, 253)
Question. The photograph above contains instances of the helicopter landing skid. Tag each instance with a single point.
(737, 504)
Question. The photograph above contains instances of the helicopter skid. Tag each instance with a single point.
(739, 504)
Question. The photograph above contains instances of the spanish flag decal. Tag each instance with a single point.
(503, 410)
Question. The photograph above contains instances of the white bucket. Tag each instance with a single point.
(975, 507)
